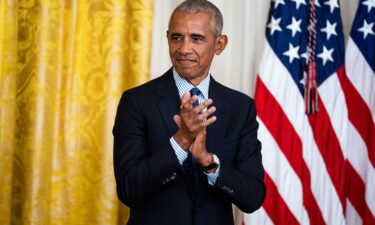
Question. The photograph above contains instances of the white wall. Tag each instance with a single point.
(244, 23)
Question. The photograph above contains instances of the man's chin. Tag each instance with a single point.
(185, 73)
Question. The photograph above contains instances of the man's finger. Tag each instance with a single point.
(206, 113)
(202, 106)
(188, 105)
(177, 120)
(185, 97)
(208, 122)
(193, 99)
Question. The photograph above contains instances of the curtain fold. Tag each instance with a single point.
(63, 67)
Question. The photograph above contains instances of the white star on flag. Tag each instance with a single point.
(326, 55)
(366, 29)
(295, 26)
(299, 2)
(274, 25)
(330, 29)
(370, 4)
(292, 53)
(317, 3)
(332, 4)
(277, 2)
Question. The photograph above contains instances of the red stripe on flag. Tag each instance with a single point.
(286, 137)
(356, 193)
(359, 114)
(329, 147)
(275, 206)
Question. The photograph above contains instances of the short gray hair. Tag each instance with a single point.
(201, 6)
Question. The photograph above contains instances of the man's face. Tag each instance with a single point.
(193, 44)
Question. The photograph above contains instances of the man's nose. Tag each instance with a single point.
(185, 47)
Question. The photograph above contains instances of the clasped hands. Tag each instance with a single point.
(191, 135)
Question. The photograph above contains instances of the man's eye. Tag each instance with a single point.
(197, 39)
(176, 38)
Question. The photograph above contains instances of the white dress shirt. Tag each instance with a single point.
(183, 86)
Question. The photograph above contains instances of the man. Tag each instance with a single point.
(183, 158)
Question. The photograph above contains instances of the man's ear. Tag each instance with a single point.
(221, 43)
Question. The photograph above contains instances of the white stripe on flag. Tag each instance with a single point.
(361, 75)
(259, 217)
(288, 96)
(351, 142)
(352, 217)
(334, 101)
(278, 168)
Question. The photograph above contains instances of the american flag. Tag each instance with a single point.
(319, 167)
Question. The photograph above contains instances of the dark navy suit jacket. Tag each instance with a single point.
(150, 179)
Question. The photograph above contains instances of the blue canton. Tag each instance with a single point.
(287, 35)
(363, 29)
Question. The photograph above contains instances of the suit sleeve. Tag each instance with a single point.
(139, 173)
(243, 183)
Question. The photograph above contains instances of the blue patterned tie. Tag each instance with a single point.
(195, 91)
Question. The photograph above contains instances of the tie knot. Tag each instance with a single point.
(195, 91)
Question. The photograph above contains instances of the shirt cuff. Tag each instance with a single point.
(180, 153)
(212, 177)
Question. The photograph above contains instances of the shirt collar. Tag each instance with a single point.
(183, 85)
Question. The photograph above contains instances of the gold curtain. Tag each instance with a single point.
(63, 67)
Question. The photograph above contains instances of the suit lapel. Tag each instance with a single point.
(169, 105)
(169, 102)
(216, 131)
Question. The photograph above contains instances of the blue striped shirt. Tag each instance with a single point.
(183, 86)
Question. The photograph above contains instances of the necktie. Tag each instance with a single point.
(194, 166)
(195, 91)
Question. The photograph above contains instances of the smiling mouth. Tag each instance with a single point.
(186, 61)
